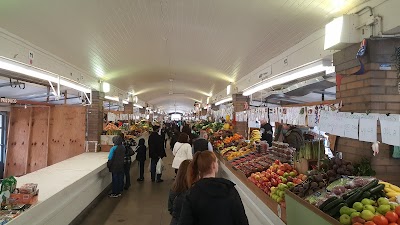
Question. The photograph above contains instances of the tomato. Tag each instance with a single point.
(370, 223)
(393, 224)
(392, 216)
(357, 223)
(397, 210)
(380, 220)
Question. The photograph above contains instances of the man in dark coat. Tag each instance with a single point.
(202, 143)
(156, 152)
(267, 134)
(294, 137)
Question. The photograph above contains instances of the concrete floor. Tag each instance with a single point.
(145, 203)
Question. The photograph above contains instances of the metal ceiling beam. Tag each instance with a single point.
(324, 92)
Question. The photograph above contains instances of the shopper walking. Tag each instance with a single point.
(178, 192)
(156, 152)
(293, 136)
(174, 138)
(267, 133)
(202, 143)
(210, 200)
(116, 166)
(141, 158)
(182, 151)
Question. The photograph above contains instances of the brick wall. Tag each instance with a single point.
(95, 118)
(239, 101)
(375, 91)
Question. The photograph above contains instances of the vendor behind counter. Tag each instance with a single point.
(290, 134)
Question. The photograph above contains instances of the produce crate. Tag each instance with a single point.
(300, 212)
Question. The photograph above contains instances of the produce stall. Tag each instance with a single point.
(335, 192)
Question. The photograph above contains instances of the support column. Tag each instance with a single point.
(239, 101)
(95, 119)
(375, 91)
(128, 108)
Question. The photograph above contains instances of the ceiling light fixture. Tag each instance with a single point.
(298, 73)
(208, 100)
(112, 98)
(17, 67)
(228, 89)
(138, 106)
(125, 102)
(106, 87)
(223, 101)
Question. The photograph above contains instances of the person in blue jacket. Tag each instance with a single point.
(116, 166)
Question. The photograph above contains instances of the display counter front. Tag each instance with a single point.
(260, 208)
(65, 189)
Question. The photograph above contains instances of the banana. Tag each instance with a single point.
(392, 194)
(395, 188)
(388, 189)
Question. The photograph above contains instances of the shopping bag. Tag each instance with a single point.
(160, 166)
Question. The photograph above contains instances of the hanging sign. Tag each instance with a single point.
(368, 127)
(350, 122)
(390, 129)
(8, 100)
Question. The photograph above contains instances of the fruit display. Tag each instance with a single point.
(278, 173)
(282, 152)
(251, 163)
(111, 129)
(391, 191)
(255, 136)
(380, 212)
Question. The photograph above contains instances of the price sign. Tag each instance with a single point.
(390, 129)
(368, 127)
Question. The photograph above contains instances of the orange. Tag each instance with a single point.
(380, 220)
(392, 216)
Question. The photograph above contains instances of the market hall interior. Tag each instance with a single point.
(294, 97)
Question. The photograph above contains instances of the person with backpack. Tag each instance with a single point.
(141, 158)
(202, 143)
(115, 165)
(127, 161)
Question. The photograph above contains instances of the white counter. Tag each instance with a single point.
(257, 212)
(65, 189)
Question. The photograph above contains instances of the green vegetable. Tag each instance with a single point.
(329, 200)
(350, 193)
(332, 204)
(370, 185)
(377, 188)
(336, 209)
(355, 197)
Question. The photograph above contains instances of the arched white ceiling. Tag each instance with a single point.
(140, 44)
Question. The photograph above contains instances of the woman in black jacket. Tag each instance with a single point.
(141, 158)
(178, 192)
(210, 200)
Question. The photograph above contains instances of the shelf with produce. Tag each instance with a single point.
(337, 197)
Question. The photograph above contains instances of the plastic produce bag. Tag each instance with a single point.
(160, 166)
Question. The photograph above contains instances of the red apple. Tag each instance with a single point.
(280, 172)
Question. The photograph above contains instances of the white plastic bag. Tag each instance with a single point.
(160, 166)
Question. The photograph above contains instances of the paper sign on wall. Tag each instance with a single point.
(390, 129)
(368, 127)
(350, 122)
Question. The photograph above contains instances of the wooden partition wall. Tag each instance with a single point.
(43, 135)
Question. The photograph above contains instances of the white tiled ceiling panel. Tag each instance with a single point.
(140, 44)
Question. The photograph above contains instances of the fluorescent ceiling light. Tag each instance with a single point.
(125, 102)
(208, 100)
(112, 98)
(224, 101)
(228, 89)
(333, 32)
(31, 71)
(136, 99)
(106, 87)
(138, 106)
(304, 71)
